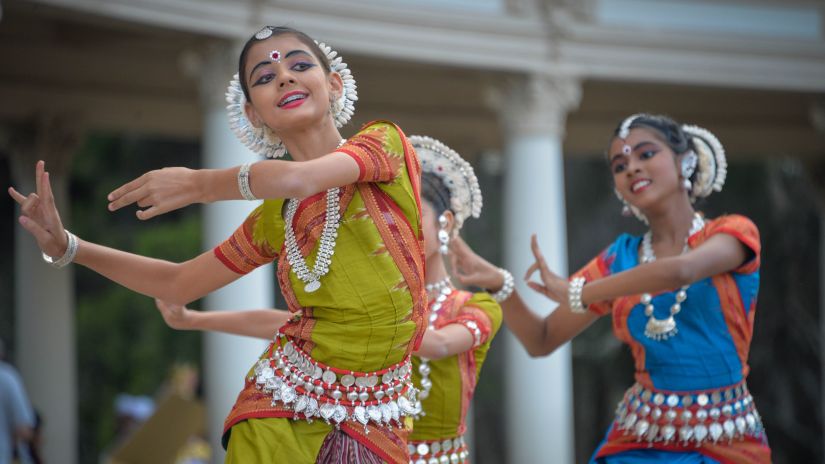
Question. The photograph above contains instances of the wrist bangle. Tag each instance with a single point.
(243, 182)
(68, 255)
(574, 295)
(507, 288)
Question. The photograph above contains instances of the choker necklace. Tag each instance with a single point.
(326, 248)
(662, 329)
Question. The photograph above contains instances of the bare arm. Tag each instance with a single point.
(543, 335)
(179, 283)
(721, 253)
(257, 323)
(447, 341)
(539, 335)
(164, 190)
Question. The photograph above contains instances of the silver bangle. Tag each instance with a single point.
(243, 182)
(68, 255)
(507, 288)
(574, 295)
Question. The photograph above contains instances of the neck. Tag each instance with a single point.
(435, 270)
(671, 223)
(312, 142)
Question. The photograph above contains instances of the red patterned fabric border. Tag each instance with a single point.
(747, 451)
(239, 253)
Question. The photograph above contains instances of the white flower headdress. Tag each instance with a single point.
(262, 140)
(712, 169)
(456, 174)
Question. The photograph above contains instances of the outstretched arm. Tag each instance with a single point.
(180, 283)
(168, 189)
(257, 323)
(719, 254)
(539, 335)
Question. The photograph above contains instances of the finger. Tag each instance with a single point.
(17, 196)
(461, 278)
(538, 287)
(530, 270)
(39, 169)
(149, 213)
(40, 234)
(48, 194)
(454, 263)
(458, 245)
(534, 246)
(126, 188)
(30, 204)
(132, 196)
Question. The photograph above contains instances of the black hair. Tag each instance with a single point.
(277, 31)
(434, 192)
(670, 131)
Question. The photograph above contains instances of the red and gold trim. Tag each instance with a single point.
(239, 253)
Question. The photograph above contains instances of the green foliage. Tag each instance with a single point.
(123, 344)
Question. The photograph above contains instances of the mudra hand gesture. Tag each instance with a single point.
(158, 192)
(39, 214)
(552, 285)
(471, 269)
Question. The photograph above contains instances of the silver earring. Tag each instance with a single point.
(443, 236)
(689, 163)
(628, 210)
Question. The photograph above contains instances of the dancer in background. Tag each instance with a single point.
(345, 227)
(682, 296)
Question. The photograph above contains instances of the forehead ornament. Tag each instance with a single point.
(264, 33)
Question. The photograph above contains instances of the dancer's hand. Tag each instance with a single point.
(552, 285)
(159, 192)
(176, 316)
(471, 269)
(40, 216)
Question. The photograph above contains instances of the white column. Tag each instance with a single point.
(227, 358)
(539, 399)
(44, 296)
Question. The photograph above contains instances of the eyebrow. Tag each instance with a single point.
(266, 62)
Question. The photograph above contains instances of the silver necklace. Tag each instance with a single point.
(326, 244)
(662, 329)
(444, 288)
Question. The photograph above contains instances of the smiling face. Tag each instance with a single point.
(644, 168)
(289, 88)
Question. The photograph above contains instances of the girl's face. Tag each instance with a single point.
(288, 87)
(648, 173)
(430, 228)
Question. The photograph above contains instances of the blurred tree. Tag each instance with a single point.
(123, 344)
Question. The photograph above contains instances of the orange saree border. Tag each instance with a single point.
(747, 451)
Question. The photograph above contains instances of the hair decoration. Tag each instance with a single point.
(456, 174)
(344, 106)
(264, 33)
(262, 140)
(712, 165)
(624, 129)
